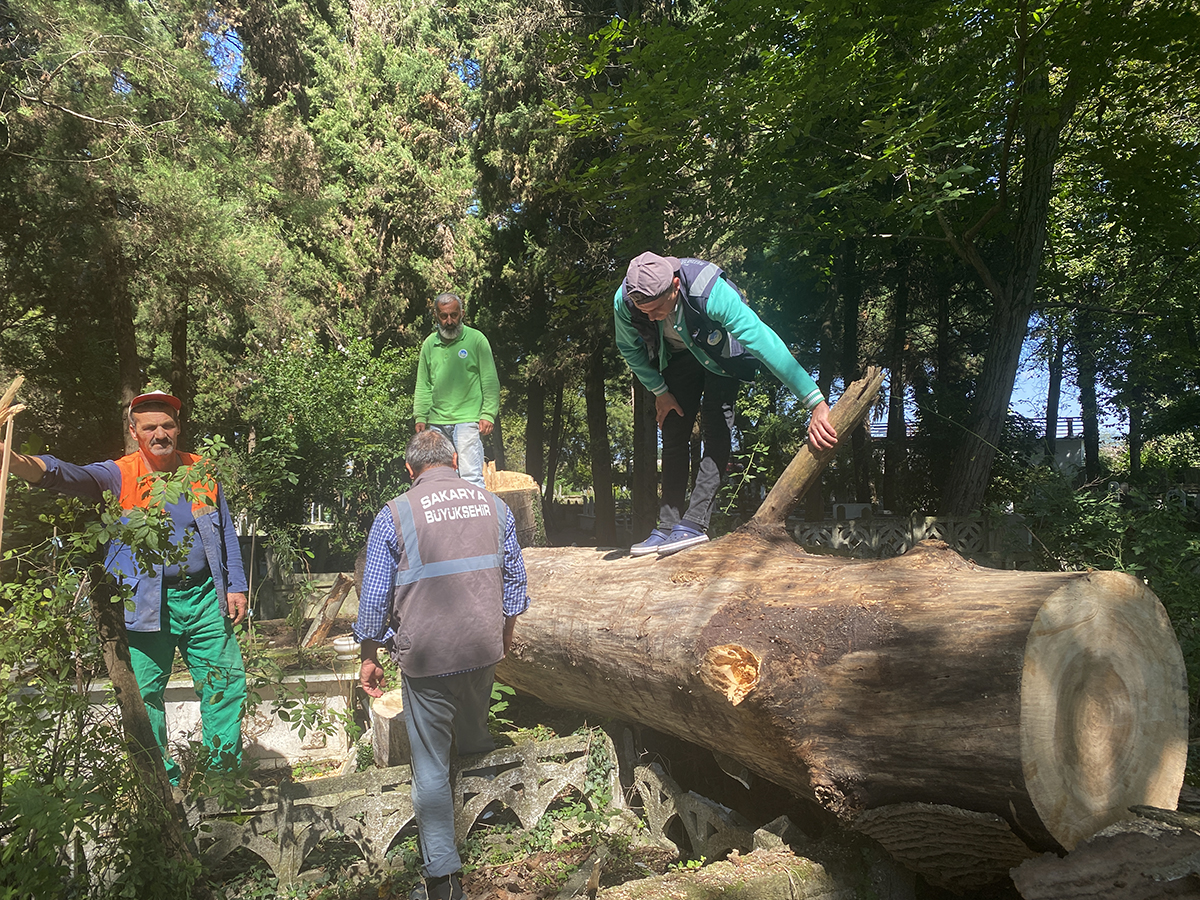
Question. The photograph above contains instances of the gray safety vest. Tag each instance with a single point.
(448, 600)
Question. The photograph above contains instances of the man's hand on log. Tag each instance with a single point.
(821, 433)
(663, 405)
(371, 677)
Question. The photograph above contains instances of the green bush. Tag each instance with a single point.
(73, 822)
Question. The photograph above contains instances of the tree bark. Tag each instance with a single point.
(805, 468)
(496, 440)
(601, 450)
(1089, 408)
(129, 366)
(849, 288)
(814, 505)
(326, 618)
(1137, 415)
(1052, 700)
(1054, 391)
(896, 451)
(535, 430)
(180, 377)
(157, 799)
(555, 440)
(1012, 290)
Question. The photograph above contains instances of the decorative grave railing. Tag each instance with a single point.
(1005, 542)
(284, 824)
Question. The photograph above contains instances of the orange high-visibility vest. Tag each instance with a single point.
(136, 477)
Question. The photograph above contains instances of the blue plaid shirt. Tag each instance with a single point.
(383, 555)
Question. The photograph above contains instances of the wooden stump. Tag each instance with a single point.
(524, 498)
(389, 736)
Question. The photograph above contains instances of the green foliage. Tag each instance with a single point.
(67, 785)
(330, 428)
(497, 722)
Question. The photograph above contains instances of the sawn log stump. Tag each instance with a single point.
(1052, 700)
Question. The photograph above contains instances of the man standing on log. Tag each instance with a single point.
(689, 337)
(443, 585)
(458, 391)
(192, 604)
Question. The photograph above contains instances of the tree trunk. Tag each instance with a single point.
(601, 450)
(1137, 414)
(1089, 409)
(157, 800)
(849, 288)
(1051, 701)
(1054, 391)
(556, 426)
(180, 382)
(814, 501)
(129, 366)
(1012, 294)
(643, 485)
(805, 468)
(535, 430)
(496, 439)
(896, 451)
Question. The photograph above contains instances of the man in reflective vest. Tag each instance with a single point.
(191, 605)
(443, 585)
(689, 337)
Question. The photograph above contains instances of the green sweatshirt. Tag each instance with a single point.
(456, 383)
(725, 307)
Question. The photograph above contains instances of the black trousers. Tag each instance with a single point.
(697, 391)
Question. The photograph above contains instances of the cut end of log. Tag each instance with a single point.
(390, 705)
(1103, 706)
(502, 480)
(731, 670)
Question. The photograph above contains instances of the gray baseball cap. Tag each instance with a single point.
(650, 274)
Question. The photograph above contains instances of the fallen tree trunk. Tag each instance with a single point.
(1053, 700)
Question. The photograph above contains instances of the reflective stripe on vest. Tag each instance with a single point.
(135, 483)
(701, 285)
(406, 530)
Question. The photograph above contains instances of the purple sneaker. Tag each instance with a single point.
(682, 536)
(650, 544)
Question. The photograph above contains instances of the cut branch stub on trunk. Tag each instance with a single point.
(1054, 700)
(845, 415)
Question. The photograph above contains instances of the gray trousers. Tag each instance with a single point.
(437, 711)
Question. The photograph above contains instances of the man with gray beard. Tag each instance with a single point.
(458, 391)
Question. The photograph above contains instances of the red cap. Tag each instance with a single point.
(155, 397)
